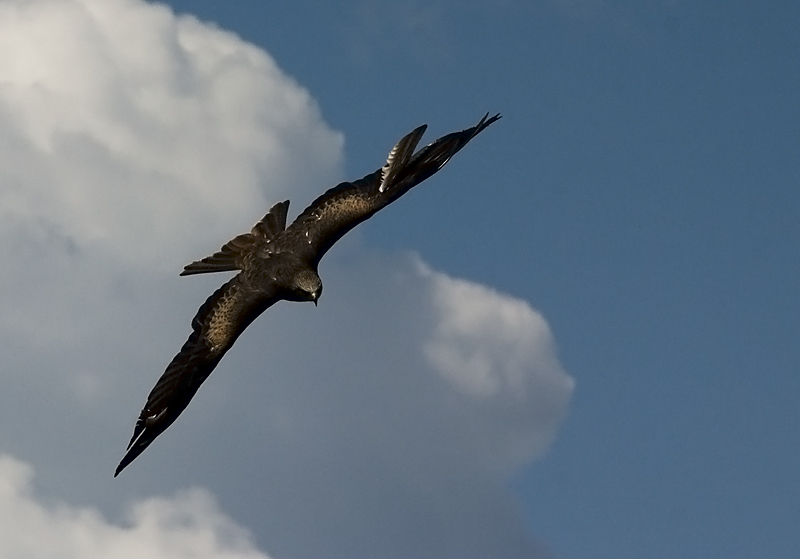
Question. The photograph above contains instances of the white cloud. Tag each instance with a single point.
(126, 123)
(498, 351)
(189, 525)
(130, 139)
(485, 342)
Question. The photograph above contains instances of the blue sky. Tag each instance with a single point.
(640, 195)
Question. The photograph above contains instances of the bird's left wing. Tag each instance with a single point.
(221, 319)
(346, 205)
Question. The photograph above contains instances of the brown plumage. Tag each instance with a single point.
(274, 263)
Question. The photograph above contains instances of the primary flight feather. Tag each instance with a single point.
(276, 263)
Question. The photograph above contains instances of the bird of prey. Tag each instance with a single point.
(274, 263)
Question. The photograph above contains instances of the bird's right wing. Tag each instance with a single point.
(230, 257)
(221, 319)
(346, 205)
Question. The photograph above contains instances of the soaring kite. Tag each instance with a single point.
(276, 263)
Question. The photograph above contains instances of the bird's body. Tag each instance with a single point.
(278, 263)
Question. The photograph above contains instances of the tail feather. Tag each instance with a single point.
(229, 257)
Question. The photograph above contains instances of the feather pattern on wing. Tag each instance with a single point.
(346, 205)
(217, 325)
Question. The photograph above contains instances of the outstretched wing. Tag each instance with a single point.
(346, 205)
(221, 319)
(231, 256)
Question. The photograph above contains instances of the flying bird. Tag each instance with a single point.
(275, 263)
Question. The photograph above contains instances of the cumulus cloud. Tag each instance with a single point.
(123, 123)
(494, 348)
(128, 133)
(486, 342)
(188, 525)
(386, 422)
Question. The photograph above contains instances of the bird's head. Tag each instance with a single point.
(306, 285)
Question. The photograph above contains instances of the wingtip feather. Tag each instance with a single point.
(400, 155)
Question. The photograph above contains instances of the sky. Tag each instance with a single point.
(579, 339)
